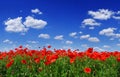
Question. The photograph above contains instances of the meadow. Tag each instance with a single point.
(24, 62)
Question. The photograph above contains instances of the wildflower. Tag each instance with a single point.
(37, 60)
(9, 64)
(72, 60)
(87, 70)
(51, 59)
(47, 63)
(23, 62)
(49, 46)
(89, 50)
(118, 59)
(20, 46)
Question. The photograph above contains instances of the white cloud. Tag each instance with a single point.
(110, 32)
(118, 44)
(73, 34)
(91, 28)
(7, 41)
(34, 23)
(107, 32)
(69, 42)
(93, 39)
(106, 46)
(36, 11)
(84, 45)
(59, 37)
(90, 22)
(116, 17)
(15, 25)
(33, 42)
(98, 49)
(89, 38)
(117, 35)
(118, 12)
(85, 36)
(101, 14)
(28, 46)
(67, 47)
(80, 32)
(45, 36)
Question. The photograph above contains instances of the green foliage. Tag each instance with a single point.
(61, 68)
(60, 63)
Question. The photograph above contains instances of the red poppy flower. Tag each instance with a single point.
(9, 64)
(89, 50)
(37, 60)
(49, 46)
(118, 59)
(47, 63)
(71, 54)
(72, 60)
(23, 62)
(20, 46)
(1, 57)
(87, 70)
(52, 60)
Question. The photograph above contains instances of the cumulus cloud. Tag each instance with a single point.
(7, 41)
(90, 22)
(107, 32)
(44, 36)
(85, 36)
(69, 42)
(15, 25)
(106, 46)
(59, 37)
(34, 23)
(73, 34)
(36, 11)
(117, 35)
(110, 32)
(116, 15)
(101, 14)
(93, 39)
(89, 38)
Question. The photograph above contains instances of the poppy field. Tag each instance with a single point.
(45, 62)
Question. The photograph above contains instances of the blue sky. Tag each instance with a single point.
(75, 24)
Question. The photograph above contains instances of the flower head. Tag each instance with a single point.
(9, 64)
(23, 62)
(87, 70)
